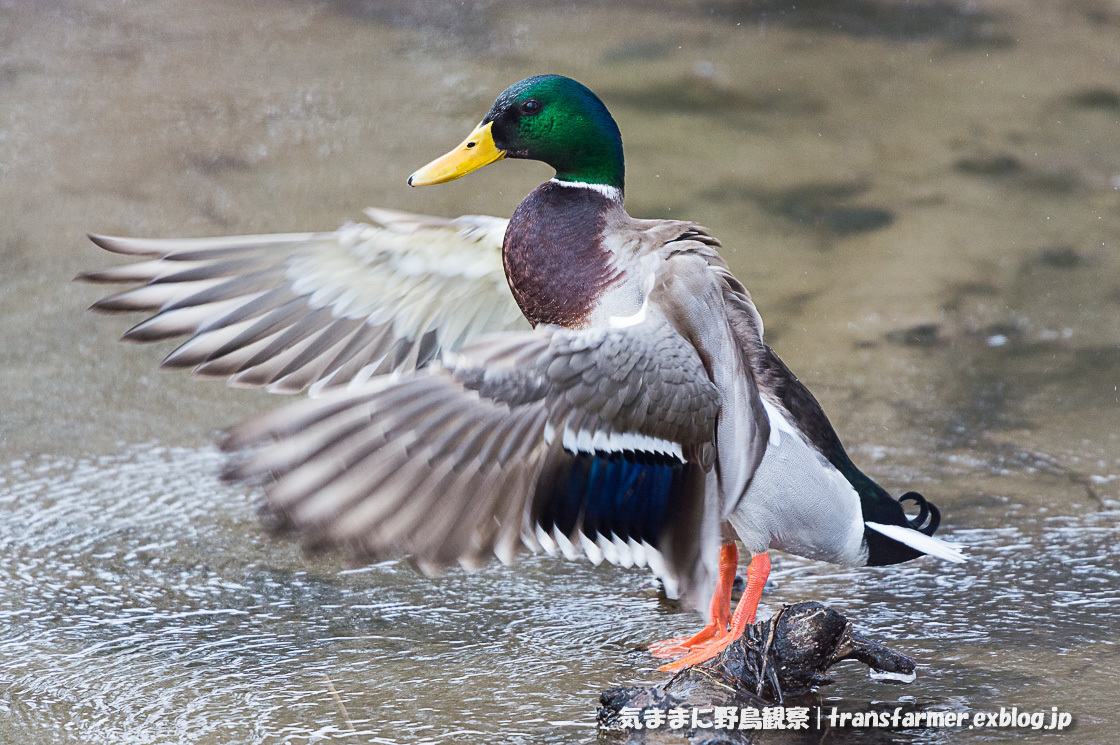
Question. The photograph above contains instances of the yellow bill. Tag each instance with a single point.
(476, 151)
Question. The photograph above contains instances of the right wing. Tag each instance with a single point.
(317, 309)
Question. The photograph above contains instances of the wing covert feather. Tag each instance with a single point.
(598, 440)
(443, 463)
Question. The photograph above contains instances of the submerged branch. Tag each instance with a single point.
(785, 655)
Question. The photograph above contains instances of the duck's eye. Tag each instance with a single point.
(531, 106)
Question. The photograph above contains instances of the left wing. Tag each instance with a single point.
(630, 442)
(596, 441)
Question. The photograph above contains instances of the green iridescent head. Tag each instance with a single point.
(548, 118)
(562, 123)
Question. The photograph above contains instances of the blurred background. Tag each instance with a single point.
(923, 198)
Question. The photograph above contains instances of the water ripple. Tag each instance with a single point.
(140, 603)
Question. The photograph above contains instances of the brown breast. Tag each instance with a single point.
(554, 258)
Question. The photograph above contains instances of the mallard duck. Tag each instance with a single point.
(576, 381)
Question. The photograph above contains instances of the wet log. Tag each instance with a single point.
(777, 659)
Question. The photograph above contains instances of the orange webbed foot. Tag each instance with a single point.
(701, 653)
(744, 615)
(682, 645)
(720, 610)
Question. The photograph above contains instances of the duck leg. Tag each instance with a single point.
(757, 573)
(720, 609)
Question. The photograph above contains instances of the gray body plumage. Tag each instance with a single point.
(821, 519)
(457, 455)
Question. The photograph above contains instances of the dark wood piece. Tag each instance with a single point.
(782, 657)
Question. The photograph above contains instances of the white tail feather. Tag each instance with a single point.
(920, 542)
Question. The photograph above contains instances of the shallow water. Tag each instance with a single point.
(922, 197)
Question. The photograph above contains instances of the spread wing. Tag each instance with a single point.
(317, 309)
(602, 441)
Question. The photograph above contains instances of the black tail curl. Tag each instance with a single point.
(926, 511)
